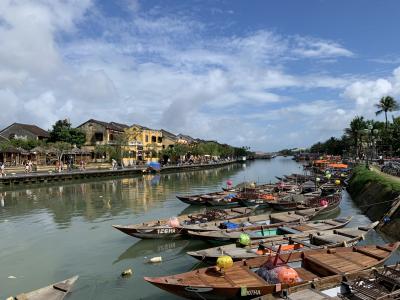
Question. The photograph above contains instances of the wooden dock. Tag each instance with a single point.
(14, 180)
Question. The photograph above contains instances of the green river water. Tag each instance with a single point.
(51, 233)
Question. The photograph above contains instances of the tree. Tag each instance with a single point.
(60, 148)
(354, 132)
(63, 132)
(386, 104)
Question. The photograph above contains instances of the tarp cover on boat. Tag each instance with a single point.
(154, 165)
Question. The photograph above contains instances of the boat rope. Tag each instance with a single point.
(375, 203)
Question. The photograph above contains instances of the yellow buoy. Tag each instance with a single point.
(224, 262)
(337, 182)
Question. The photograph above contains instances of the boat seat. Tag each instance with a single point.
(306, 275)
(285, 229)
(318, 266)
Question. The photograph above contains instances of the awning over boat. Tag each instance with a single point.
(338, 166)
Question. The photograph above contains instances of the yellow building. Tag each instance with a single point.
(143, 144)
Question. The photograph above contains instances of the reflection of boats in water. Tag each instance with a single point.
(154, 247)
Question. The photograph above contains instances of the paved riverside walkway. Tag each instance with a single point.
(52, 176)
(388, 176)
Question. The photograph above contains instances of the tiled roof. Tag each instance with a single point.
(31, 128)
(169, 134)
(110, 125)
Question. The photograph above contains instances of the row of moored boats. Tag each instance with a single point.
(283, 252)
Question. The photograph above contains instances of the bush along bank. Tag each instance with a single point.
(375, 193)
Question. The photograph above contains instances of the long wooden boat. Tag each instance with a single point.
(266, 219)
(289, 242)
(200, 199)
(225, 201)
(372, 284)
(301, 201)
(55, 291)
(255, 277)
(261, 231)
(172, 228)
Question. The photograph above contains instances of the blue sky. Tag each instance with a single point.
(268, 74)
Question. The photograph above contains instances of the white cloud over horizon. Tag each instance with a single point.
(165, 71)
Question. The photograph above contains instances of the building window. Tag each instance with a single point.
(98, 136)
(111, 137)
(153, 139)
(147, 138)
(159, 139)
(11, 136)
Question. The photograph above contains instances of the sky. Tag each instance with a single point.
(264, 74)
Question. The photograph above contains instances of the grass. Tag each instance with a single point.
(362, 176)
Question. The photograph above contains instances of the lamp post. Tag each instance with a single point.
(371, 133)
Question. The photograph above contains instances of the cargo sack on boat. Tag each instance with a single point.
(280, 274)
(229, 225)
(173, 222)
(230, 196)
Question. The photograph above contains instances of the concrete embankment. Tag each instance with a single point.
(376, 193)
(43, 178)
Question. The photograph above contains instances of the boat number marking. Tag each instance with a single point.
(253, 293)
(245, 292)
(166, 230)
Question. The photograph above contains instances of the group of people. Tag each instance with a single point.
(28, 166)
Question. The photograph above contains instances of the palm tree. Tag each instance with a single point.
(356, 126)
(386, 104)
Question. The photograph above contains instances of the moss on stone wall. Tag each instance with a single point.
(374, 194)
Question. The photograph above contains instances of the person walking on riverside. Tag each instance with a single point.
(29, 166)
(2, 170)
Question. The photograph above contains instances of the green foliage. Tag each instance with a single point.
(204, 148)
(63, 132)
(332, 146)
(362, 134)
(288, 152)
(385, 105)
(362, 176)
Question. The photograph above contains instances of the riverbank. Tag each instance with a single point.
(13, 179)
(375, 192)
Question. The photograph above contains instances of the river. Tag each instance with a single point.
(50, 233)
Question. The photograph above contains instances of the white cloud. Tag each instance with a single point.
(311, 48)
(160, 70)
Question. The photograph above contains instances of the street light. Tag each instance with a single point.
(371, 133)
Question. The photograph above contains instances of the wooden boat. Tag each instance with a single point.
(200, 199)
(55, 291)
(301, 201)
(383, 284)
(289, 242)
(172, 228)
(371, 284)
(261, 231)
(251, 221)
(222, 201)
(242, 280)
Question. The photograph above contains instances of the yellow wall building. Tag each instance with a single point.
(143, 144)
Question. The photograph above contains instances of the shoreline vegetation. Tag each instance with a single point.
(121, 145)
(367, 138)
(375, 194)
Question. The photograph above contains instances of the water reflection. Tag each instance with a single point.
(110, 198)
(52, 232)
